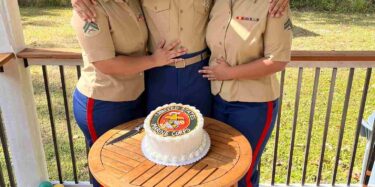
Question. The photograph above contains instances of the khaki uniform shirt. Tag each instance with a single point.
(120, 29)
(241, 31)
(177, 19)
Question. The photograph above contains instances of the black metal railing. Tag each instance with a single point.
(326, 125)
(7, 177)
(67, 115)
(324, 81)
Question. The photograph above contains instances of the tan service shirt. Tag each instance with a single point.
(178, 19)
(241, 31)
(120, 29)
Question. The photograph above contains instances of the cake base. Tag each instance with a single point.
(203, 153)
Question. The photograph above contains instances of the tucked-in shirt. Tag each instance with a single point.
(120, 29)
(241, 31)
(171, 20)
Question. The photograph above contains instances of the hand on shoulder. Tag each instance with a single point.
(85, 9)
(278, 7)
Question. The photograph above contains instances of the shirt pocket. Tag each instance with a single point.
(159, 13)
(202, 7)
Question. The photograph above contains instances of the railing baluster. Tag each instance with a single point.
(2, 133)
(328, 116)
(67, 116)
(343, 121)
(277, 133)
(296, 107)
(52, 121)
(259, 167)
(4, 144)
(311, 121)
(2, 181)
(359, 123)
(78, 71)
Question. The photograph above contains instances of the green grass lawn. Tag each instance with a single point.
(49, 27)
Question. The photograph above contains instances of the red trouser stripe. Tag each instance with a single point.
(90, 119)
(260, 142)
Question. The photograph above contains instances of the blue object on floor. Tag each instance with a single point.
(366, 131)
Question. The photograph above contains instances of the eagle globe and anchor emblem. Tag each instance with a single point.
(174, 121)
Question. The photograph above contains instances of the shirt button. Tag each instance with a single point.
(140, 74)
(220, 43)
(181, 11)
(155, 7)
(181, 29)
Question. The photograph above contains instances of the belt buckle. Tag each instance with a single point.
(180, 64)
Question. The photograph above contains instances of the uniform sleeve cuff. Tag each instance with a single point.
(96, 56)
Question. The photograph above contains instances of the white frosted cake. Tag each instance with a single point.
(175, 135)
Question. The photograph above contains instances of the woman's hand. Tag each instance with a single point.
(85, 9)
(277, 7)
(166, 54)
(221, 71)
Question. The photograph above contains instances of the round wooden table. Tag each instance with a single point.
(123, 164)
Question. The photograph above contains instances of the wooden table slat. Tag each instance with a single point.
(174, 176)
(120, 166)
(222, 140)
(218, 173)
(216, 128)
(136, 172)
(189, 175)
(198, 179)
(126, 152)
(130, 148)
(120, 158)
(218, 156)
(220, 134)
(148, 174)
(225, 152)
(160, 176)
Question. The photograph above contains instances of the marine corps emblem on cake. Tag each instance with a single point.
(174, 121)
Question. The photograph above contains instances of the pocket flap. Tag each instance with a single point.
(157, 5)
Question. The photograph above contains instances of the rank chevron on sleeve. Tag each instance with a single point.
(90, 28)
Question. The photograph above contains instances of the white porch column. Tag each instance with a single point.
(17, 103)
